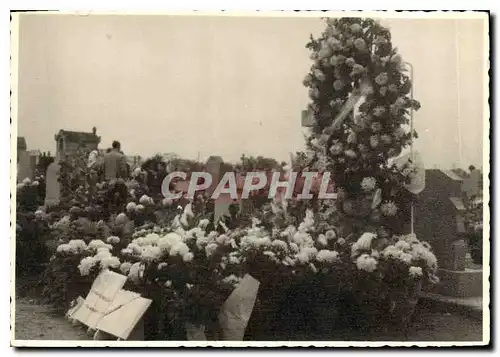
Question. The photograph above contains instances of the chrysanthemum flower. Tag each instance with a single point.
(368, 184)
(125, 267)
(415, 272)
(366, 263)
(327, 256)
(113, 240)
(389, 208)
(131, 206)
(86, 264)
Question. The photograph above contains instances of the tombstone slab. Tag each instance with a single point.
(53, 186)
(439, 220)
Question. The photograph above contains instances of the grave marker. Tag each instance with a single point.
(52, 185)
(439, 220)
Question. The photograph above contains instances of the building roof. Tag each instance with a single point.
(78, 136)
(21, 143)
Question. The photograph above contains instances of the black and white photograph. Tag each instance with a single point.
(259, 179)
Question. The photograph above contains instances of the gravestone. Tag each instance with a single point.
(52, 184)
(214, 167)
(439, 219)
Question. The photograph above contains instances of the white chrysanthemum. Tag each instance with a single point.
(151, 239)
(368, 183)
(110, 262)
(363, 243)
(179, 248)
(113, 240)
(222, 239)
(125, 267)
(35, 183)
(145, 200)
(39, 213)
(131, 206)
(168, 241)
(188, 257)
(150, 253)
(210, 249)
(26, 181)
(97, 243)
(121, 218)
(406, 257)
(418, 251)
(299, 238)
(375, 254)
(64, 248)
(330, 234)
(86, 264)
(410, 238)
(389, 208)
(269, 253)
(415, 272)
(302, 257)
(77, 245)
(350, 153)
(135, 248)
(140, 208)
(327, 256)
(391, 252)
(341, 241)
(403, 245)
(366, 263)
(102, 253)
(294, 248)
(135, 273)
(279, 244)
(234, 260)
(310, 251)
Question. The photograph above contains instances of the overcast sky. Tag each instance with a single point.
(226, 85)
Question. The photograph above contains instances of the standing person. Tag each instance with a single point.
(92, 173)
(115, 165)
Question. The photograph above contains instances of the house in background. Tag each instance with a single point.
(26, 160)
(68, 142)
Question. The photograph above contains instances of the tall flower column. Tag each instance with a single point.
(353, 58)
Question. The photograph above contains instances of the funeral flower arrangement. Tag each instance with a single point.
(360, 102)
(348, 249)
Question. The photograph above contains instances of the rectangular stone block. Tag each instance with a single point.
(465, 283)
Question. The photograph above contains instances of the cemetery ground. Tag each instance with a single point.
(432, 322)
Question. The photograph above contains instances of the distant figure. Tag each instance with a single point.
(115, 164)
